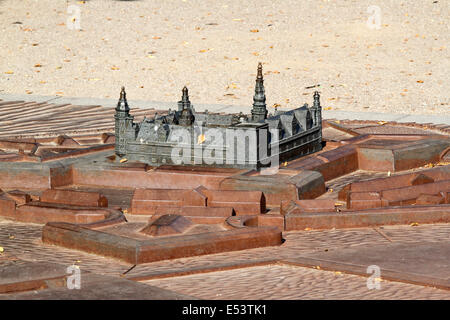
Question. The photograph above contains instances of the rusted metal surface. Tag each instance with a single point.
(71, 197)
(151, 201)
(207, 272)
(141, 251)
(166, 225)
(21, 119)
(68, 164)
(369, 217)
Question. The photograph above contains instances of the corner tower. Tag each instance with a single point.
(317, 109)
(259, 110)
(123, 123)
(186, 116)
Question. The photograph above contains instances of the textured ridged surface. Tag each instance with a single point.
(31, 119)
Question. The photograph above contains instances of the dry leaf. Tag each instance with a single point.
(9, 72)
(382, 122)
(414, 224)
(201, 138)
(419, 81)
(114, 68)
(38, 65)
(254, 30)
(123, 160)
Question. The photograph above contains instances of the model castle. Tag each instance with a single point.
(187, 137)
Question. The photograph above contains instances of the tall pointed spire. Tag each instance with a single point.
(316, 100)
(185, 96)
(123, 123)
(317, 109)
(122, 104)
(184, 103)
(259, 110)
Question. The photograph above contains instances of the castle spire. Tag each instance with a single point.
(122, 104)
(185, 96)
(316, 100)
(317, 109)
(259, 110)
(184, 103)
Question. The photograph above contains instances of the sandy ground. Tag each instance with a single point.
(155, 47)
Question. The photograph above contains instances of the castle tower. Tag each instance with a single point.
(186, 117)
(123, 123)
(184, 103)
(259, 110)
(317, 109)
